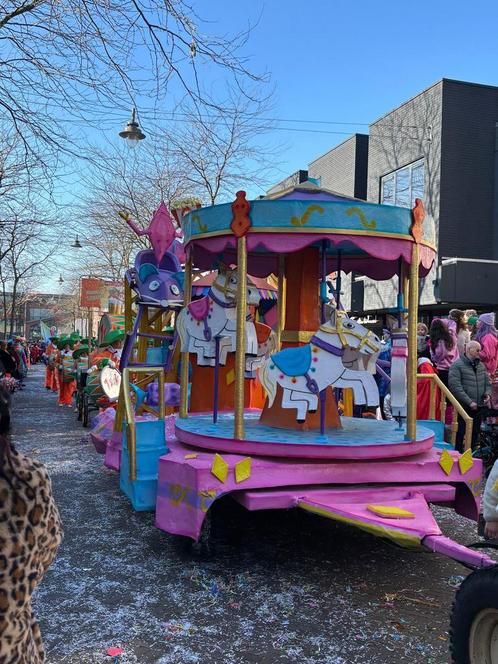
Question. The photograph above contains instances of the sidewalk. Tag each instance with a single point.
(282, 587)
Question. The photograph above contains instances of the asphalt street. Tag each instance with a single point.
(277, 587)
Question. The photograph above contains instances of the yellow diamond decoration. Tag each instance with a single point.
(466, 462)
(219, 468)
(446, 461)
(495, 486)
(243, 470)
(230, 377)
(390, 512)
(191, 456)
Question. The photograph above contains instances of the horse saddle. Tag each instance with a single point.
(199, 309)
(293, 361)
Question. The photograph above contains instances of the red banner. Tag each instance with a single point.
(91, 292)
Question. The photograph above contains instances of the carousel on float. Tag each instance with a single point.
(286, 445)
(258, 404)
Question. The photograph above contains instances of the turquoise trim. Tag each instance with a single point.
(303, 216)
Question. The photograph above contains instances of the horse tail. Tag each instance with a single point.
(268, 382)
(272, 343)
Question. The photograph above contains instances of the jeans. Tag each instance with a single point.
(476, 427)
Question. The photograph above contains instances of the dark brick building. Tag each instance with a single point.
(344, 168)
(442, 146)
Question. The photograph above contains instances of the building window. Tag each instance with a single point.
(404, 185)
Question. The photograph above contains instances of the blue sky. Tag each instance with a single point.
(338, 61)
(352, 61)
(341, 61)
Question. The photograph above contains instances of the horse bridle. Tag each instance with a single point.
(365, 340)
(226, 288)
(221, 303)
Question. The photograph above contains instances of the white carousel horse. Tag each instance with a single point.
(305, 371)
(215, 316)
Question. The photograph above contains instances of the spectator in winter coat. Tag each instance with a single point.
(487, 336)
(463, 335)
(444, 350)
(469, 382)
(472, 326)
(30, 533)
(422, 340)
(7, 359)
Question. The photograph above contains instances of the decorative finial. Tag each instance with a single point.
(241, 222)
(418, 216)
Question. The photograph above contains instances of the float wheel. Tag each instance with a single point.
(474, 619)
(79, 404)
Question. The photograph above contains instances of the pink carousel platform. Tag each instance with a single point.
(357, 439)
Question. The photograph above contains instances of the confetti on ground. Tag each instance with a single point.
(280, 587)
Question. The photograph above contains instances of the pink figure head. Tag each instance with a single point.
(161, 231)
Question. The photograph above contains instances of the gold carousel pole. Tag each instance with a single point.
(241, 224)
(128, 306)
(282, 291)
(187, 296)
(240, 352)
(418, 215)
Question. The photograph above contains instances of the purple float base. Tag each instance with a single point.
(187, 488)
(99, 443)
(113, 452)
(102, 427)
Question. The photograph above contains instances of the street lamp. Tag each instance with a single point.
(61, 280)
(76, 244)
(132, 132)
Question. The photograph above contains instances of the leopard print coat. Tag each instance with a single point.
(30, 534)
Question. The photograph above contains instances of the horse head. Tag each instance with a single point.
(352, 334)
(227, 282)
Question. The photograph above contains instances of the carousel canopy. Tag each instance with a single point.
(371, 238)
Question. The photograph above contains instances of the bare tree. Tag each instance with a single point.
(25, 261)
(75, 61)
(133, 182)
(223, 152)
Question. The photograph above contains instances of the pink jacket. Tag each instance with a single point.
(441, 356)
(489, 353)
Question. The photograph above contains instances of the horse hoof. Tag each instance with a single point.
(300, 421)
(312, 411)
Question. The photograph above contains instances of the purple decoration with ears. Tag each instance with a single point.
(161, 230)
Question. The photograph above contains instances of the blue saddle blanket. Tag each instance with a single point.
(293, 361)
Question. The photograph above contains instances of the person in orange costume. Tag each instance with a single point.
(66, 388)
(425, 366)
(110, 348)
(51, 368)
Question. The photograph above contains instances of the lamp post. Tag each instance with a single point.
(132, 132)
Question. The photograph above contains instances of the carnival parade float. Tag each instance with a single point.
(265, 427)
